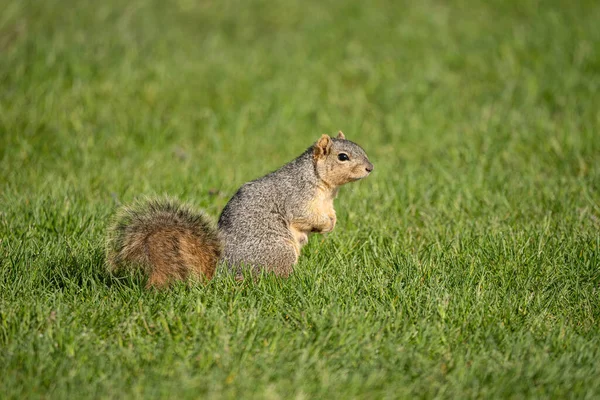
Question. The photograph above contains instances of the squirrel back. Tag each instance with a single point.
(167, 240)
(263, 226)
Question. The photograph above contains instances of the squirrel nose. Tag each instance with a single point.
(369, 167)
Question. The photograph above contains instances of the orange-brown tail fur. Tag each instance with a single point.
(168, 240)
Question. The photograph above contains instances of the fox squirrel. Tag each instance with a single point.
(263, 226)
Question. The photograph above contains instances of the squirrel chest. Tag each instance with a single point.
(317, 216)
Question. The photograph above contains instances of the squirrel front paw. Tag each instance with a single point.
(331, 220)
(323, 223)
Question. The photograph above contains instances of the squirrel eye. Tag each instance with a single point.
(343, 157)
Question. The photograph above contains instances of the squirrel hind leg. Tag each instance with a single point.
(284, 257)
(275, 255)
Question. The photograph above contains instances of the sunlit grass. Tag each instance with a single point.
(466, 265)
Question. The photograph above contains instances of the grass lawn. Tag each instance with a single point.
(466, 266)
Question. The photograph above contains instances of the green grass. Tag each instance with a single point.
(467, 265)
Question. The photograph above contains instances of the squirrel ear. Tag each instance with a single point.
(341, 135)
(323, 146)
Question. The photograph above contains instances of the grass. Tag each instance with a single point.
(467, 265)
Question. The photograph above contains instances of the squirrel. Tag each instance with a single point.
(263, 226)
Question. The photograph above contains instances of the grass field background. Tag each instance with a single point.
(466, 265)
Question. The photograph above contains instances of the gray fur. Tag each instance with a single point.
(263, 226)
(254, 225)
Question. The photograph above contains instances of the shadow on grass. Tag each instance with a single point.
(87, 270)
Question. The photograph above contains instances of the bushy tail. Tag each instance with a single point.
(168, 240)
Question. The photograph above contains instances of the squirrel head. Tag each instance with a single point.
(339, 161)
